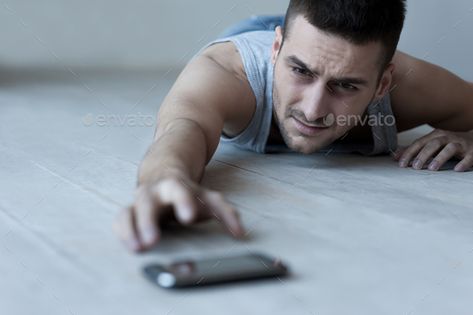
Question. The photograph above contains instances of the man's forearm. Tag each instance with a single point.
(180, 149)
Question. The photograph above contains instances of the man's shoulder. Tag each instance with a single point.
(233, 52)
(227, 56)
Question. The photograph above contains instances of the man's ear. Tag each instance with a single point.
(277, 44)
(385, 82)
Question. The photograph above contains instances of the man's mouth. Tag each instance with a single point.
(308, 130)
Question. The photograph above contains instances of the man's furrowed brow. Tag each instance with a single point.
(294, 60)
(346, 80)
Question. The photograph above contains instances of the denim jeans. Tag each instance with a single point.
(254, 23)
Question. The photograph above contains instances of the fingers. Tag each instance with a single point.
(150, 204)
(146, 217)
(426, 153)
(207, 204)
(398, 153)
(138, 226)
(465, 164)
(125, 228)
(181, 196)
(224, 213)
(449, 151)
(440, 147)
(408, 156)
(447, 144)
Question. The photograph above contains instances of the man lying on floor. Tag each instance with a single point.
(330, 79)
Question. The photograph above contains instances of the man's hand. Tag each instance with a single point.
(173, 197)
(440, 146)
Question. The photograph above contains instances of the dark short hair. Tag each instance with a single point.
(358, 21)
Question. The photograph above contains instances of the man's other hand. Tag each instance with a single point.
(440, 146)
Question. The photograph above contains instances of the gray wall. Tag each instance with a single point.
(140, 33)
(165, 33)
(441, 32)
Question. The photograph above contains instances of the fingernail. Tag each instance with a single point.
(433, 166)
(134, 245)
(186, 214)
(149, 236)
(403, 163)
(417, 164)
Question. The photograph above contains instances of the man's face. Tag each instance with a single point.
(320, 81)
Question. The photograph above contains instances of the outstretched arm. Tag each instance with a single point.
(207, 98)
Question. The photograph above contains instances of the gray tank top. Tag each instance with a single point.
(255, 50)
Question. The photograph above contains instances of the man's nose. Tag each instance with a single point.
(316, 103)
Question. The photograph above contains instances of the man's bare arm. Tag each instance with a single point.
(423, 93)
(210, 95)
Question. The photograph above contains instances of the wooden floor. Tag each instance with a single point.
(360, 235)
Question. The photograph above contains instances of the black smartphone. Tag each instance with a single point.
(192, 273)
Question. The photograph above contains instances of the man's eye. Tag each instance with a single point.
(300, 71)
(346, 86)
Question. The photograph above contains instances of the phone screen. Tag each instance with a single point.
(187, 273)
